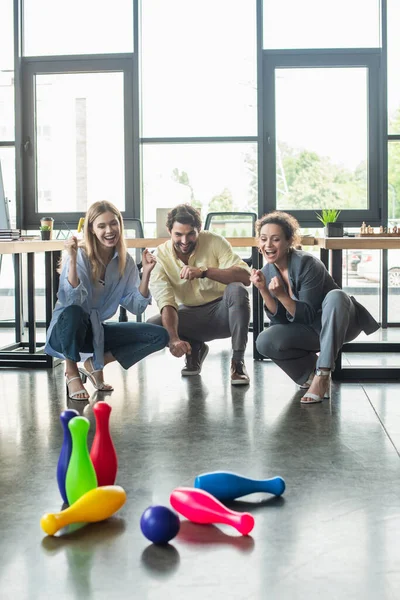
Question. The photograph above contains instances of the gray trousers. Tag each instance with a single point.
(227, 317)
(294, 346)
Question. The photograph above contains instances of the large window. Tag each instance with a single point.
(77, 136)
(7, 118)
(198, 74)
(393, 66)
(77, 27)
(80, 158)
(321, 138)
(213, 177)
(321, 24)
(321, 128)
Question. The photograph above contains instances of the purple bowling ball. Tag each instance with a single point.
(159, 524)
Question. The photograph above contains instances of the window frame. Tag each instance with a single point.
(32, 66)
(368, 58)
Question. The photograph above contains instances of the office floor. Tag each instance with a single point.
(333, 534)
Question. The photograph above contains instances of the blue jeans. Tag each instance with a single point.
(128, 342)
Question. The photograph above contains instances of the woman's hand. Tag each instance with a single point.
(277, 288)
(257, 278)
(148, 261)
(71, 246)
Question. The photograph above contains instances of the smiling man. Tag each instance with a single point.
(199, 286)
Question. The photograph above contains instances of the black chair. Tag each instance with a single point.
(133, 229)
(242, 224)
(234, 224)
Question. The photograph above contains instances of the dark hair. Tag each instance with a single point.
(185, 214)
(289, 225)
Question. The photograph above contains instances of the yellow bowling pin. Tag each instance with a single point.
(96, 505)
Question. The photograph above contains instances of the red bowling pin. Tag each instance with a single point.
(102, 453)
(201, 507)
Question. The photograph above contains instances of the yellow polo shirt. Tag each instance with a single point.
(169, 289)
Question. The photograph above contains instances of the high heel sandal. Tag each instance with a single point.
(101, 387)
(315, 399)
(74, 395)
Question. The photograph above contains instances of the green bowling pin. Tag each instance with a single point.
(81, 476)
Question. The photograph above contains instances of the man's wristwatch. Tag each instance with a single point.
(203, 272)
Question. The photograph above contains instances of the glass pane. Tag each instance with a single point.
(80, 157)
(321, 138)
(393, 66)
(366, 284)
(394, 183)
(394, 286)
(7, 161)
(198, 68)
(6, 71)
(213, 177)
(77, 27)
(321, 24)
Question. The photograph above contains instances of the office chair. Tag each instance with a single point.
(234, 224)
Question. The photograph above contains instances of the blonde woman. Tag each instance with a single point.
(97, 277)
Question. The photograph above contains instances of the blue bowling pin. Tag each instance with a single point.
(66, 450)
(228, 486)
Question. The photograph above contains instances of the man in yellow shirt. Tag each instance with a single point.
(199, 286)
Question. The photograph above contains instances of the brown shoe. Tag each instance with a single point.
(195, 360)
(239, 375)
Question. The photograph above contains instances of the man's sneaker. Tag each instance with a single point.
(195, 360)
(239, 375)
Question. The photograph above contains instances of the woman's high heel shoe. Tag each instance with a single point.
(85, 374)
(74, 395)
(314, 398)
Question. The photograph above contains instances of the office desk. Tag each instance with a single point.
(331, 250)
(30, 354)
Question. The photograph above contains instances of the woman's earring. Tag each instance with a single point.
(259, 251)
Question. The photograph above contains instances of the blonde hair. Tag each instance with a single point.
(90, 243)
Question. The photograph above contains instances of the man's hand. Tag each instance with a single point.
(179, 348)
(276, 288)
(190, 272)
(148, 261)
(257, 278)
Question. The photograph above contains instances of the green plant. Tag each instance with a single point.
(328, 215)
(45, 228)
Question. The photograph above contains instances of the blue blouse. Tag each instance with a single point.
(118, 290)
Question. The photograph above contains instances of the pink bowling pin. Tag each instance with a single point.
(102, 453)
(201, 507)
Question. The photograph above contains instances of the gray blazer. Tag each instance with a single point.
(310, 283)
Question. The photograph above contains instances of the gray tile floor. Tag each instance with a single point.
(334, 533)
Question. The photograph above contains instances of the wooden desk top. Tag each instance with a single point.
(359, 243)
(23, 247)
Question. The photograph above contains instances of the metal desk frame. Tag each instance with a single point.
(331, 250)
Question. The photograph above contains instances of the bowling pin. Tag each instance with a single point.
(96, 505)
(81, 476)
(65, 453)
(228, 486)
(201, 507)
(103, 454)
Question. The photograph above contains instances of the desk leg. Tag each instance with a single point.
(55, 275)
(19, 317)
(336, 266)
(49, 267)
(31, 303)
(258, 307)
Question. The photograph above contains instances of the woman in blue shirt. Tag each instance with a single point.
(97, 277)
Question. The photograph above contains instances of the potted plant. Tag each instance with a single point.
(328, 218)
(45, 232)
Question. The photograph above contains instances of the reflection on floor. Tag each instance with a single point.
(334, 534)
